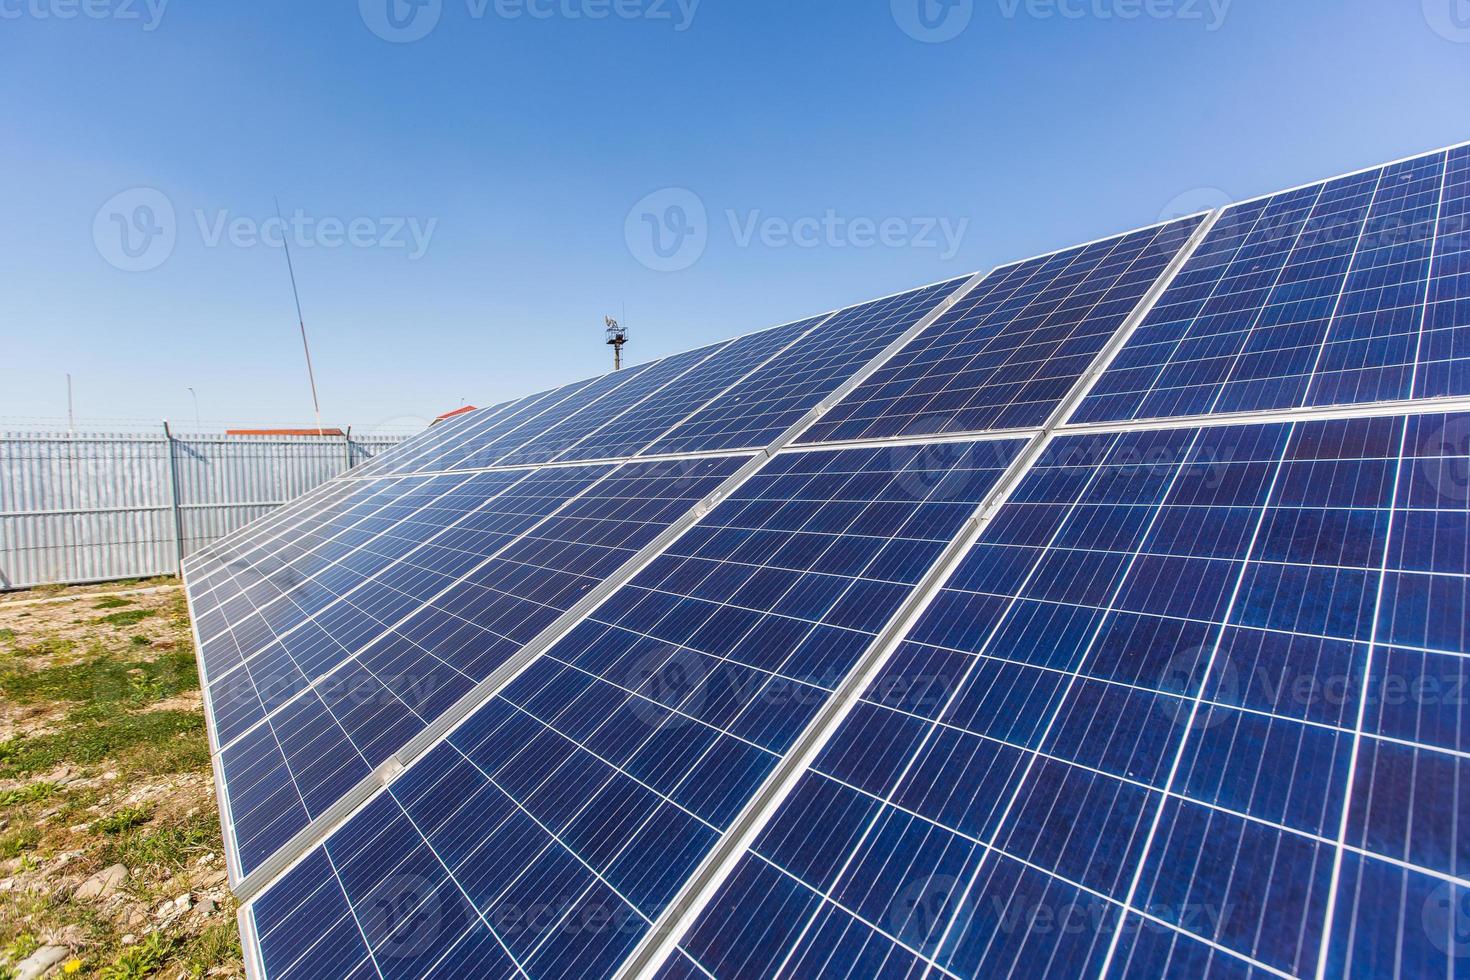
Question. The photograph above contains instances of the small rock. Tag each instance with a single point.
(11, 866)
(70, 936)
(39, 962)
(206, 906)
(184, 901)
(103, 883)
(129, 940)
(109, 776)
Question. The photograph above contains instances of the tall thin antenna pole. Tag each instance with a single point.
(71, 420)
(310, 374)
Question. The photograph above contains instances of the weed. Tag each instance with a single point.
(124, 819)
(219, 943)
(141, 641)
(139, 961)
(33, 793)
(167, 847)
(17, 842)
(128, 617)
(7, 634)
(114, 602)
(139, 743)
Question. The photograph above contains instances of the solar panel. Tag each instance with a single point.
(1136, 710)
(764, 405)
(555, 441)
(599, 776)
(433, 609)
(1010, 350)
(1103, 614)
(635, 430)
(1318, 296)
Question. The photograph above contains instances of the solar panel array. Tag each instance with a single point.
(1101, 615)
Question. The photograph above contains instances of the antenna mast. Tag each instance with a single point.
(617, 336)
(310, 374)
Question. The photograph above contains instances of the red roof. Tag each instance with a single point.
(457, 411)
(333, 433)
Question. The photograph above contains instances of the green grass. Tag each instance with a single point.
(168, 847)
(142, 960)
(128, 617)
(34, 793)
(125, 819)
(18, 842)
(219, 943)
(144, 744)
(114, 602)
(7, 634)
(101, 679)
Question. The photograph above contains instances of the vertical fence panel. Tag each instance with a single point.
(90, 507)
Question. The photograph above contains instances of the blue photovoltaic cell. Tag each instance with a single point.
(485, 448)
(1008, 352)
(404, 456)
(227, 591)
(763, 406)
(636, 429)
(428, 451)
(1122, 735)
(1351, 291)
(553, 441)
(316, 705)
(543, 836)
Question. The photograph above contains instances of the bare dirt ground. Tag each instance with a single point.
(110, 854)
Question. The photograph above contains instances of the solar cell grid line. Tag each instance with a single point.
(282, 774)
(635, 431)
(552, 442)
(1263, 772)
(783, 391)
(434, 435)
(589, 534)
(1418, 638)
(273, 524)
(523, 411)
(1008, 353)
(1443, 360)
(625, 720)
(401, 676)
(216, 593)
(280, 589)
(483, 452)
(363, 542)
(1343, 324)
(335, 513)
(276, 673)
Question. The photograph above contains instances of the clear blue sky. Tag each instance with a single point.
(519, 139)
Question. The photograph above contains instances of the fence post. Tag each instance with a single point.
(173, 493)
(347, 448)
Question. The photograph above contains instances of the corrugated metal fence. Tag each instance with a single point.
(87, 508)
